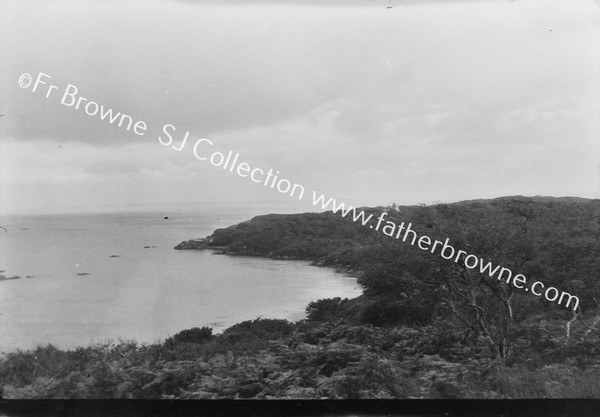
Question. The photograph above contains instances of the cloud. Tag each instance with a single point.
(437, 101)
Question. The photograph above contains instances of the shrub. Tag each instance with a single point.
(193, 335)
(252, 335)
(370, 377)
(326, 309)
(264, 328)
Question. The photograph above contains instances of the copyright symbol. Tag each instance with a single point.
(25, 80)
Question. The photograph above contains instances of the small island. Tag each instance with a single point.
(5, 278)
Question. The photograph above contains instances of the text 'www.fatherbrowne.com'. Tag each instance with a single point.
(205, 151)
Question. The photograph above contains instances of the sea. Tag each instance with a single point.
(97, 278)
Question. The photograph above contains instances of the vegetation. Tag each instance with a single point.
(318, 359)
(425, 327)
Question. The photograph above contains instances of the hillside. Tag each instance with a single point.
(550, 238)
(425, 327)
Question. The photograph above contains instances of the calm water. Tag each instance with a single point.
(145, 294)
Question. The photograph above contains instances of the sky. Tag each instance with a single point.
(371, 102)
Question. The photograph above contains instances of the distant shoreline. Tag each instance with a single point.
(204, 244)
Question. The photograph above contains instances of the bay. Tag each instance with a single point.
(99, 277)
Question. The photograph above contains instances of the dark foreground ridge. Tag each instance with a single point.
(424, 327)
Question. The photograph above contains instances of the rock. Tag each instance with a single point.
(194, 244)
(5, 278)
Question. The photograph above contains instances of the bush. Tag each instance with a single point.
(326, 309)
(264, 328)
(252, 335)
(193, 335)
(370, 377)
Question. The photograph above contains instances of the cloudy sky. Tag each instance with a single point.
(371, 101)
